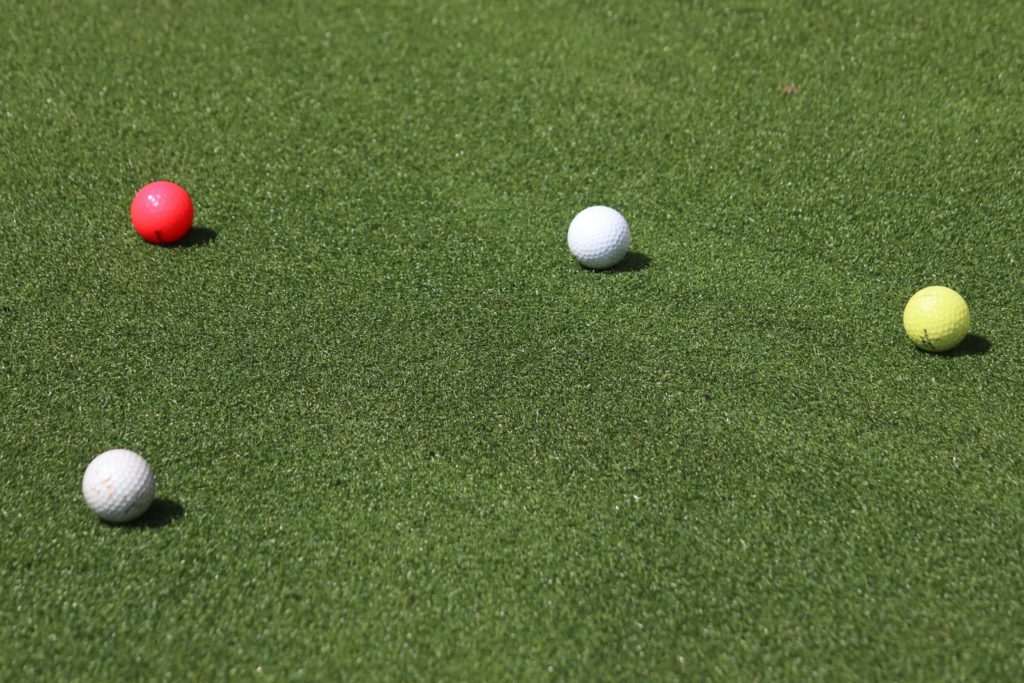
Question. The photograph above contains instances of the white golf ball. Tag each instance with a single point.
(118, 485)
(598, 237)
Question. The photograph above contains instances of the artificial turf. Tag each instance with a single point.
(400, 435)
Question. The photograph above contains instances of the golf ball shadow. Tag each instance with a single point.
(161, 512)
(632, 262)
(972, 345)
(195, 237)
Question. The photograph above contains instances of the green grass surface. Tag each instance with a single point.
(400, 435)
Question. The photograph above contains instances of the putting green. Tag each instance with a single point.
(399, 434)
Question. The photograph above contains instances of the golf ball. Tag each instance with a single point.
(598, 237)
(162, 212)
(936, 319)
(118, 485)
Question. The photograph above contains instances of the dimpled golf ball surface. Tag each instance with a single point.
(118, 485)
(598, 237)
(936, 319)
(162, 212)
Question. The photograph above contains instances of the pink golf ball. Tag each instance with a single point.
(162, 212)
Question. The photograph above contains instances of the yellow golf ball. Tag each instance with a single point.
(936, 319)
